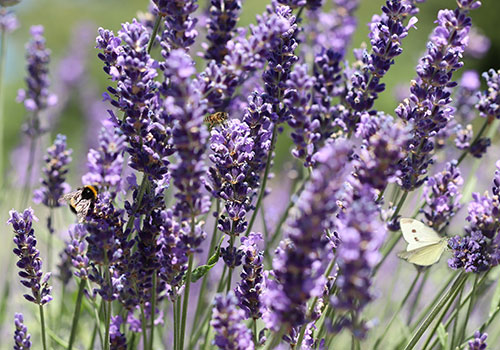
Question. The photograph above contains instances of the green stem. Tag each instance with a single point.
(153, 312)
(144, 327)
(400, 205)
(2, 63)
(460, 279)
(76, 314)
(92, 338)
(434, 301)
(255, 335)
(455, 320)
(443, 314)
(469, 310)
(201, 295)
(185, 301)
(153, 34)
(176, 323)
(42, 323)
(205, 341)
(400, 306)
(416, 300)
(264, 179)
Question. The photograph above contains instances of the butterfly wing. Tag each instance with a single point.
(417, 234)
(425, 256)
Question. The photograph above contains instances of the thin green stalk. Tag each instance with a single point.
(144, 328)
(275, 339)
(153, 34)
(29, 170)
(455, 319)
(96, 314)
(76, 314)
(255, 335)
(208, 313)
(205, 341)
(185, 301)
(264, 179)
(42, 323)
(400, 306)
(153, 312)
(434, 301)
(469, 310)
(400, 205)
(2, 63)
(176, 323)
(460, 279)
(201, 302)
(416, 300)
(443, 314)
(92, 338)
(230, 273)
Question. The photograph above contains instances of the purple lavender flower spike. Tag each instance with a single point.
(280, 61)
(223, 16)
(134, 71)
(173, 254)
(361, 235)
(53, 185)
(29, 262)
(117, 340)
(250, 288)
(76, 250)
(309, 4)
(382, 148)
(298, 100)
(8, 21)
(483, 214)
(333, 30)
(232, 148)
(386, 33)
(36, 97)
(442, 196)
(489, 101)
(105, 163)
(428, 107)
(301, 260)
(180, 26)
(189, 135)
(22, 339)
(227, 321)
(471, 253)
(479, 341)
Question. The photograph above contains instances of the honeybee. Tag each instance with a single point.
(81, 201)
(216, 118)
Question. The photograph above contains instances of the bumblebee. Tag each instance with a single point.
(81, 201)
(215, 119)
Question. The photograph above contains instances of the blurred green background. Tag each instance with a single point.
(60, 17)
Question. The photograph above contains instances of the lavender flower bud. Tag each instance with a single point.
(8, 21)
(428, 107)
(442, 196)
(227, 320)
(54, 185)
(479, 341)
(464, 137)
(299, 267)
(361, 235)
(472, 253)
(223, 16)
(489, 101)
(180, 26)
(250, 288)
(36, 97)
(117, 340)
(105, 163)
(232, 148)
(29, 262)
(22, 339)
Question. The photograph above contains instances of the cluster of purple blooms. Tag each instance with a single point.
(140, 242)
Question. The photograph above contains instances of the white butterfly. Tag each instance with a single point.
(425, 246)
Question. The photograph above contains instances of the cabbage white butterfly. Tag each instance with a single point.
(425, 246)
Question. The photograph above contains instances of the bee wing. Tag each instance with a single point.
(82, 209)
(68, 196)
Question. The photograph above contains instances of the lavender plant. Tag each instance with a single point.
(193, 233)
